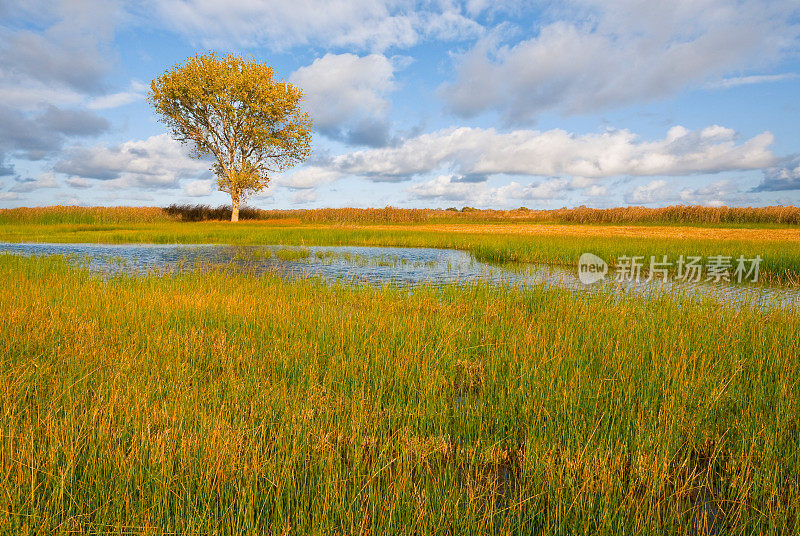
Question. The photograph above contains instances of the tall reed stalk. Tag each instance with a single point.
(212, 403)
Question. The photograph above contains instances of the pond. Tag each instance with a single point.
(404, 267)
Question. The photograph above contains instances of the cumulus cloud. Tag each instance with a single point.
(35, 135)
(657, 191)
(451, 188)
(361, 24)
(156, 162)
(783, 177)
(5, 169)
(346, 95)
(446, 187)
(78, 182)
(52, 59)
(304, 196)
(715, 194)
(30, 184)
(68, 51)
(308, 177)
(476, 151)
(72, 122)
(603, 54)
(198, 188)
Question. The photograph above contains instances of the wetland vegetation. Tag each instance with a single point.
(214, 401)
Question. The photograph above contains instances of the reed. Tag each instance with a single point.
(679, 214)
(82, 215)
(216, 403)
(495, 243)
(672, 215)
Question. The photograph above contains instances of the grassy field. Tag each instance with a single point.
(222, 403)
(775, 216)
(497, 242)
(219, 403)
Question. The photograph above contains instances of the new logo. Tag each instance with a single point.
(591, 268)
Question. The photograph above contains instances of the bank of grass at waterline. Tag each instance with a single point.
(523, 243)
(781, 216)
(218, 403)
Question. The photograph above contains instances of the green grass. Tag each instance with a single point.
(774, 217)
(292, 254)
(781, 261)
(218, 403)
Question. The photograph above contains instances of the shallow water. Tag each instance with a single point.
(404, 267)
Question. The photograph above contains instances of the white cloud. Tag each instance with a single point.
(783, 177)
(36, 135)
(304, 196)
(8, 196)
(198, 188)
(157, 162)
(550, 189)
(43, 180)
(360, 24)
(67, 51)
(346, 95)
(453, 188)
(476, 151)
(308, 177)
(656, 191)
(445, 187)
(715, 194)
(78, 182)
(52, 58)
(136, 92)
(753, 79)
(30, 95)
(597, 191)
(602, 54)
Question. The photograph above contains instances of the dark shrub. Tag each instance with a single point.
(206, 213)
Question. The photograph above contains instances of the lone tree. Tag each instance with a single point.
(235, 111)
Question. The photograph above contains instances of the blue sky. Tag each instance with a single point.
(419, 104)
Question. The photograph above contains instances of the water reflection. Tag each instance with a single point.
(406, 267)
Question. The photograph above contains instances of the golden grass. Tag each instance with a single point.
(212, 403)
(678, 214)
(672, 215)
(89, 215)
(585, 230)
(522, 242)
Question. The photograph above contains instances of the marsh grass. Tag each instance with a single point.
(671, 215)
(292, 254)
(492, 244)
(210, 403)
(55, 215)
(780, 265)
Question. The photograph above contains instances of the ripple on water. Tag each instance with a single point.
(404, 267)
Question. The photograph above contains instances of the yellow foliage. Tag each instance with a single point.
(234, 110)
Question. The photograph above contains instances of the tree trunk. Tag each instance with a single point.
(235, 208)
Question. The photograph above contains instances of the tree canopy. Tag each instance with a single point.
(234, 110)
